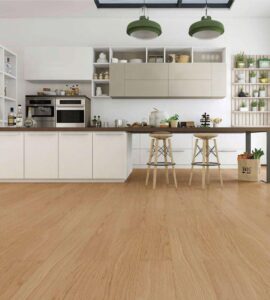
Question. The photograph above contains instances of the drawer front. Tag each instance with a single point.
(147, 71)
(146, 88)
(190, 71)
(190, 88)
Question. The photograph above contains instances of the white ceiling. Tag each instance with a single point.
(87, 8)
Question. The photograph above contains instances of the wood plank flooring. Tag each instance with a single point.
(128, 242)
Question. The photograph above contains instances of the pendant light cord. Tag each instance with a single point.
(206, 8)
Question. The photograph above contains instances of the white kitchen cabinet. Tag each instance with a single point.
(75, 155)
(41, 155)
(11, 155)
(58, 63)
(111, 155)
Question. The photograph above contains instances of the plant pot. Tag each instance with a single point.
(244, 108)
(240, 64)
(254, 108)
(215, 124)
(253, 79)
(256, 94)
(174, 123)
(262, 108)
(263, 80)
(262, 94)
(251, 65)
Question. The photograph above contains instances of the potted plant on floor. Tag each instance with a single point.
(174, 120)
(252, 77)
(250, 62)
(240, 60)
(262, 92)
(249, 165)
(261, 105)
(243, 106)
(254, 105)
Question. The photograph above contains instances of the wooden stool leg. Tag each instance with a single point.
(155, 167)
(165, 149)
(173, 168)
(149, 161)
(193, 161)
(207, 161)
(204, 160)
(219, 169)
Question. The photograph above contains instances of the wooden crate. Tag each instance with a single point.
(249, 169)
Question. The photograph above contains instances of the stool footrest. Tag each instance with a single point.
(161, 164)
(205, 164)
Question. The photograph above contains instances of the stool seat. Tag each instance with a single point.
(162, 135)
(205, 136)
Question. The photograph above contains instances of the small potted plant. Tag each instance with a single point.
(261, 105)
(241, 77)
(254, 105)
(243, 106)
(252, 77)
(174, 120)
(250, 62)
(216, 121)
(240, 60)
(255, 93)
(262, 92)
(263, 77)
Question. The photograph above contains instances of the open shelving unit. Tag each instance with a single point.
(8, 83)
(148, 55)
(241, 81)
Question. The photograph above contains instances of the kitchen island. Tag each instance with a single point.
(85, 154)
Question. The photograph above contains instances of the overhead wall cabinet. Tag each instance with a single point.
(161, 72)
(8, 83)
(58, 63)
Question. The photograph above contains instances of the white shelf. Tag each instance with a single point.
(243, 98)
(235, 83)
(10, 99)
(101, 65)
(101, 97)
(251, 112)
(251, 69)
(101, 81)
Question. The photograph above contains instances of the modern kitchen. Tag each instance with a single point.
(134, 149)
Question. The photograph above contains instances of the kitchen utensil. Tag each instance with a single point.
(98, 91)
(183, 58)
(120, 123)
(156, 117)
(115, 60)
(136, 61)
(123, 61)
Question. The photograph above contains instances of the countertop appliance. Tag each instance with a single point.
(43, 110)
(72, 111)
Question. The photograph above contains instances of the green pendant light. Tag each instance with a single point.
(206, 28)
(144, 28)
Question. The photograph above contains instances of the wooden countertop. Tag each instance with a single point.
(146, 129)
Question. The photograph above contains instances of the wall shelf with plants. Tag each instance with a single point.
(250, 90)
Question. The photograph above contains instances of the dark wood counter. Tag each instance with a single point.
(149, 129)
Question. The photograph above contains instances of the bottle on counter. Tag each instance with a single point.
(98, 122)
(77, 90)
(29, 121)
(11, 117)
(19, 117)
(94, 121)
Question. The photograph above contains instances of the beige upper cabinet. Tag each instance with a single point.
(117, 80)
(146, 88)
(190, 88)
(190, 71)
(219, 79)
(147, 71)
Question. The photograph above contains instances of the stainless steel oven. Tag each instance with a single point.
(43, 110)
(72, 112)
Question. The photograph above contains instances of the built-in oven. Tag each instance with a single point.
(42, 109)
(72, 112)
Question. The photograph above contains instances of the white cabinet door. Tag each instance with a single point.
(11, 155)
(110, 155)
(75, 155)
(58, 63)
(41, 155)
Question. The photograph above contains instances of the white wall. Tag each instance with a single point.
(249, 35)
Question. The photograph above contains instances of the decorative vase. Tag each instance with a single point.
(253, 79)
(262, 93)
(256, 94)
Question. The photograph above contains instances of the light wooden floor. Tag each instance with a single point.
(125, 241)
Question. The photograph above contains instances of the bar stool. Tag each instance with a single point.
(155, 151)
(206, 150)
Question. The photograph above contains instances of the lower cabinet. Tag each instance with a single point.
(75, 155)
(110, 155)
(11, 155)
(41, 155)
